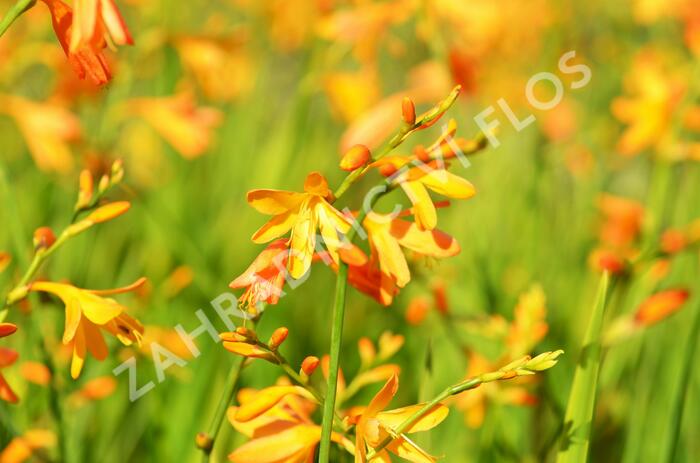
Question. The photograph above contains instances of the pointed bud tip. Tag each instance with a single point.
(354, 158)
(309, 365)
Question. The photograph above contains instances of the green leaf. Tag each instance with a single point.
(579, 411)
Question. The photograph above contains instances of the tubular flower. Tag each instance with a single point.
(278, 422)
(185, 126)
(374, 425)
(264, 278)
(86, 58)
(47, 129)
(387, 236)
(7, 358)
(96, 21)
(303, 214)
(86, 313)
(418, 179)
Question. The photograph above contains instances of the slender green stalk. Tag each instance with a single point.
(205, 442)
(336, 340)
(579, 411)
(689, 361)
(15, 12)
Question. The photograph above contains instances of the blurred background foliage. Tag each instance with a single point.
(217, 98)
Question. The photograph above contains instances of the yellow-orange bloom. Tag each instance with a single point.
(303, 214)
(185, 126)
(278, 422)
(21, 448)
(417, 180)
(47, 129)
(94, 21)
(265, 277)
(87, 313)
(374, 425)
(7, 358)
(387, 236)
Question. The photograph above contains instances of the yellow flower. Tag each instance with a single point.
(417, 180)
(303, 214)
(277, 419)
(87, 312)
(374, 425)
(387, 236)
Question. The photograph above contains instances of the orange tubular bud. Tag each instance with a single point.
(43, 238)
(278, 337)
(660, 306)
(7, 329)
(408, 111)
(85, 189)
(602, 260)
(367, 350)
(355, 157)
(417, 311)
(247, 334)
(673, 241)
(387, 170)
(203, 441)
(109, 211)
(309, 365)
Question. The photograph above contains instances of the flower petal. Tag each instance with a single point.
(275, 227)
(448, 184)
(433, 243)
(266, 399)
(279, 447)
(393, 418)
(274, 202)
(424, 210)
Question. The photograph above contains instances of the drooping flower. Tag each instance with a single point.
(86, 58)
(387, 236)
(265, 277)
(7, 358)
(278, 422)
(47, 129)
(373, 425)
(188, 128)
(303, 214)
(87, 314)
(417, 180)
(96, 21)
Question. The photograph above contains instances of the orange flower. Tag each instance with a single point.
(660, 306)
(96, 21)
(387, 236)
(623, 220)
(36, 373)
(7, 358)
(278, 421)
(416, 181)
(417, 310)
(180, 122)
(47, 129)
(86, 313)
(265, 277)
(374, 425)
(22, 447)
(303, 214)
(86, 58)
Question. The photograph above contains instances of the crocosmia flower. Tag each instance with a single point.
(95, 21)
(264, 278)
(87, 315)
(303, 214)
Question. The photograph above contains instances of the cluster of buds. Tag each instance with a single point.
(524, 366)
(88, 198)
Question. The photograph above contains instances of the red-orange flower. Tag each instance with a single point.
(660, 305)
(86, 58)
(95, 22)
(7, 358)
(264, 278)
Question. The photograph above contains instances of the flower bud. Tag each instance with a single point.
(417, 310)
(309, 365)
(117, 172)
(103, 185)
(387, 170)
(203, 441)
(247, 333)
(408, 111)
(43, 238)
(366, 350)
(660, 305)
(355, 157)
(108, 212)
(85, 190)
(278, 337)
(7, 329)
(673, 241)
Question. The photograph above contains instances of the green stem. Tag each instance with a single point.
(689, 361)
(207, 441)
(15, 12)
(413, 419)
(336, 339)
